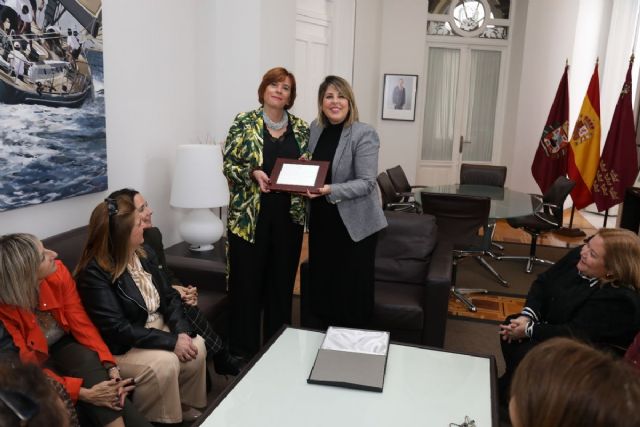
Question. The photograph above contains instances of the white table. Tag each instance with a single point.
(422, 387)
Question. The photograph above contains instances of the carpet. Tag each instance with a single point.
(472, 275)
(500, 301)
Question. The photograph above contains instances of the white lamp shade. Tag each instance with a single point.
(198, 181)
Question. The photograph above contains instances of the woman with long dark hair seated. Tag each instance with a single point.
(140, 316)
(223, 362)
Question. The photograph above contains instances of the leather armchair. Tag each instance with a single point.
(210, 279)
(412, 281)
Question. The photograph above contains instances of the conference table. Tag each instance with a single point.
(505, 203)
(422, 387)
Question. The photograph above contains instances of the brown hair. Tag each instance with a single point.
(564, 383)
(110, 228)
(20, 259)
(622, 252)
(29, 381)
(344, 88)
(274, 75)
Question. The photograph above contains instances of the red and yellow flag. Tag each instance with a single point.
(584, 147)
(619, 162)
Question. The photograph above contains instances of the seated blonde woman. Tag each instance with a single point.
(42, 321)
(140, 316)
(592, 294)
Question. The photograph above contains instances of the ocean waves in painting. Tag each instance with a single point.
(52, 153)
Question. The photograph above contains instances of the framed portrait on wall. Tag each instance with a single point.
(399, 97)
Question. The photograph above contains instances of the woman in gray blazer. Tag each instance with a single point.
(346, 214)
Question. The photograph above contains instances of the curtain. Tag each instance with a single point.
(481, 108)
(440, 105)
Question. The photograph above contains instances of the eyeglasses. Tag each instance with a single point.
(22, 406)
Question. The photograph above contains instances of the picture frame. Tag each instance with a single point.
(298, 176)
(399, 97)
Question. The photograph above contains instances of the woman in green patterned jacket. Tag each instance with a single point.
(264, 227)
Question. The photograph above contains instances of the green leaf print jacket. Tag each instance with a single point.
(242, 155)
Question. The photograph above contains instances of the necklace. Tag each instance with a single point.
(276, 125)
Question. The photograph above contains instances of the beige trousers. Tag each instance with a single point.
(163, 383)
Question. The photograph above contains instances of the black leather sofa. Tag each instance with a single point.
(412, 281)
(213, 300)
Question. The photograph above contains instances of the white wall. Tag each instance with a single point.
(402, 47)
(175, 73)
(366, 59)
(550, 40)
(149, 93)
(178, 72)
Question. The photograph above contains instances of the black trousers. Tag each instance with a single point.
(513, 353)
(262, 276)
(201, 325)
(69, 358)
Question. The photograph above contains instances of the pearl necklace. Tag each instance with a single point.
(276, 125)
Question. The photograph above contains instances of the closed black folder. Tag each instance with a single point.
(352, 358)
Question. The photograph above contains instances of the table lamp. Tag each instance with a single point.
(199, 185)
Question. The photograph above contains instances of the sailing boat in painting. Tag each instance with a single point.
(52, 138)
(45, 65)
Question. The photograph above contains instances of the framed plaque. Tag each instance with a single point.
(298, 176)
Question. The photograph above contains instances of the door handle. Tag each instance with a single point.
(462, 141)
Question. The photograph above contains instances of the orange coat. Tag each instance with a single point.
(58, 295)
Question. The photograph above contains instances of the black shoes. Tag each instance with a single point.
(224, 363)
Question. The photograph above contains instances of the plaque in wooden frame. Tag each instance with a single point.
(298, 176)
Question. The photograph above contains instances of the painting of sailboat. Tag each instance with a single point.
(52, 114)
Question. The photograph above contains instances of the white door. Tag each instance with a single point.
(462, 114)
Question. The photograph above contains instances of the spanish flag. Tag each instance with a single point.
(584, 147)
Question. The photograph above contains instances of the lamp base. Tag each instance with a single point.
(201, 228)
(201, 248)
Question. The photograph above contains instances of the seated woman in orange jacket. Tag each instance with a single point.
(42, 321)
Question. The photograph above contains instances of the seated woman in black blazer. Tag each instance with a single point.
(224, 363)
(591, 294)
(140, 316)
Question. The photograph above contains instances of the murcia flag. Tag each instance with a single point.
(584, 147)
(618, 165)
(550, 160)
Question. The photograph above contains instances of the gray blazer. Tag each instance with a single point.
(353, 175)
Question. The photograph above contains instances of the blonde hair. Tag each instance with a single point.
(344, 88)
(20, 259)
(622, 256)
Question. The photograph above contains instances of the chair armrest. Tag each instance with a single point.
(205, 275)
(441, 264)
(436, 295)
(402, 207)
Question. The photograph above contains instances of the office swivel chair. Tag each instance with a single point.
(459, 218)
(548, 218)
(399, 180)
(483, 175)
(394, 201)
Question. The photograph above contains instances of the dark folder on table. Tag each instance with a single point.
(352, 358)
